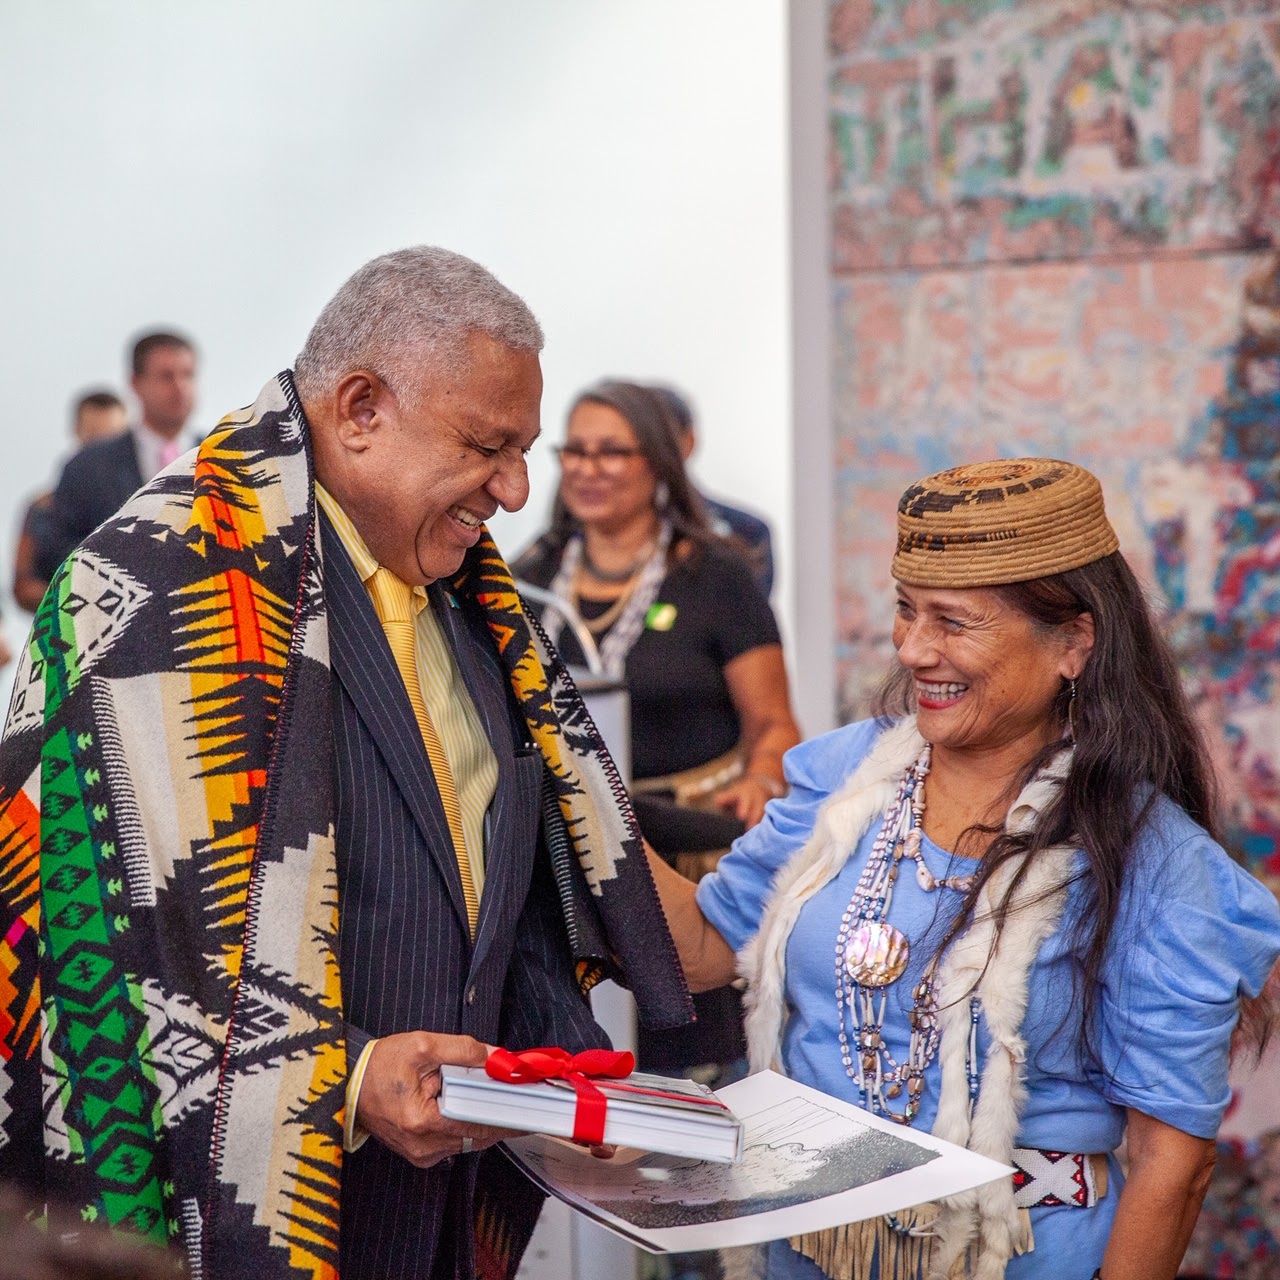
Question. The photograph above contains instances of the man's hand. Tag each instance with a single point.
(397, 1102)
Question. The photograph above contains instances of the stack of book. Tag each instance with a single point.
(651, 1113)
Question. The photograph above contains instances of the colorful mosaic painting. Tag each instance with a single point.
(1054, 227)
(1212, 511)
(968, 131)
(1047, 218)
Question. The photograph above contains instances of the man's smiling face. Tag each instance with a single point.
(426, 475)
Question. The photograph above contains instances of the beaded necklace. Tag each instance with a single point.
(628, 625)
(617, 577)
(871, 955)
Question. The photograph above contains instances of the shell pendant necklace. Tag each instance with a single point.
(871, 955)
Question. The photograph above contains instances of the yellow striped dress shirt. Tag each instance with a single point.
(471, 758)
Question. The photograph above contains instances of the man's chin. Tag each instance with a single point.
(441, 562)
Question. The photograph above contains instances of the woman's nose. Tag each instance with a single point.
(917, 646)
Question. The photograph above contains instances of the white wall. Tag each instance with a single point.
(813, 585)
(222, 167)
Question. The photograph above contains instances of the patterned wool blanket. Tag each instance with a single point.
(171, 1048)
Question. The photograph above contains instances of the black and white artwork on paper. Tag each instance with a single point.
(809, 1161)
(796, 1151)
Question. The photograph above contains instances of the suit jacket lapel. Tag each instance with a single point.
(362, 660)
(487, 686)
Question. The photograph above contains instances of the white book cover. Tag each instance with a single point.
(810, 1162)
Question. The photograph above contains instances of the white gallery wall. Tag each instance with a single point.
(222, 167)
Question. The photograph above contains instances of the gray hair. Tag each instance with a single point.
(408, 309)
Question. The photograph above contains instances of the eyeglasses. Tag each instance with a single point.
(611, 457)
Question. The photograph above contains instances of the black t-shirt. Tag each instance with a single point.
(681, 711)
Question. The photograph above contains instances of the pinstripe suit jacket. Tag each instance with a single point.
(405, 953)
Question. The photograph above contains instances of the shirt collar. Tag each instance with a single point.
(150, 445)
(148, 431)
(354, 545)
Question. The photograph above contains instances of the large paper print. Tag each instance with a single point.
(810, 1161)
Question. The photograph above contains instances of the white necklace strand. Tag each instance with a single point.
(872, 954)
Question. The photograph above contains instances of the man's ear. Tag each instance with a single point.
(1080, 633)
(361, 402)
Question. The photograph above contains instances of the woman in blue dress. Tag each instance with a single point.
(1051, 954)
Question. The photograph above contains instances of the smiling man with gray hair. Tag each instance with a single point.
(297, 807)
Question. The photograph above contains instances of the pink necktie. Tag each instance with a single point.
(169, 452)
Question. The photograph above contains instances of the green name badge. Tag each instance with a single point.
(661, 617)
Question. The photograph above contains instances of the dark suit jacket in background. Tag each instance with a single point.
(750, 532)
(405, 953)
(94, 485)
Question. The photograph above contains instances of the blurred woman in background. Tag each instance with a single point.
(677, 616)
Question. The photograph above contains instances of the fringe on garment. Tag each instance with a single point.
(862, 1250)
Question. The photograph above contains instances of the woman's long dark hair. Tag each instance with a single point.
(647, 417)
(1135, 739)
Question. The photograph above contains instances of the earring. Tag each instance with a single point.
(1071, 709)
(661, 495)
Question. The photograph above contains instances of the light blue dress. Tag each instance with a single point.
(1193, 933)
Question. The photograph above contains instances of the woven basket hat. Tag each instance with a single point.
(991, 523)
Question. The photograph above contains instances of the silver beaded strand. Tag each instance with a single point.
(871, 955)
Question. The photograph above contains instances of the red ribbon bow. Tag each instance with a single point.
(534, 1065)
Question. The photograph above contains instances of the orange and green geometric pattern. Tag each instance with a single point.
(139, 813)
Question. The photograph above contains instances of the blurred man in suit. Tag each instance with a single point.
(98, 415)
(98, 480)
(750, 532)
(331, 814)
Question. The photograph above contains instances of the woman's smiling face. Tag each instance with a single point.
(986, 675)
(605, 480)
